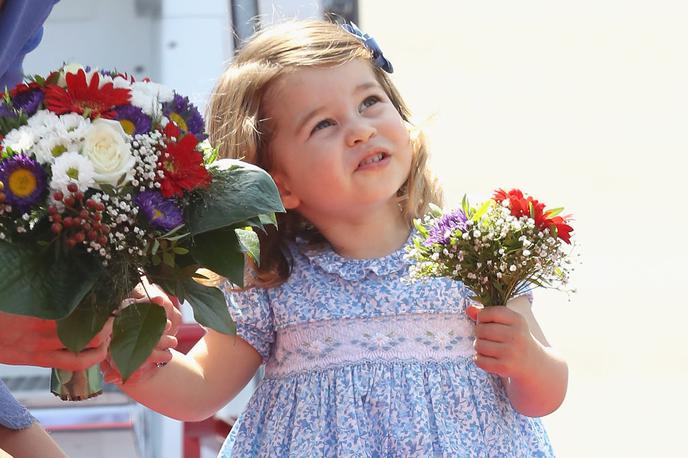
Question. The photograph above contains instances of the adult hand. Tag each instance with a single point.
(32, 341)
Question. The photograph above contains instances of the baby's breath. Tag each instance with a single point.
(494, 253)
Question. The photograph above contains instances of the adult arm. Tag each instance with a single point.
(32, 442)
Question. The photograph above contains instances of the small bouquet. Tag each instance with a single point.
(105, 180)
(500, 249)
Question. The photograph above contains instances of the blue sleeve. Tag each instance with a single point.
(12, 414)
(21, 30)
(252, 313)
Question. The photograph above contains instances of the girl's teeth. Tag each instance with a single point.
(375, 158)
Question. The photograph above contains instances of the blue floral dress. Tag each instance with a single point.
(359, 362)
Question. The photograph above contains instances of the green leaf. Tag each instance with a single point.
(554, 231)
(171, 232)
(108, 189)
(121, 179)
(180, 250)
(219, 251)
(156, 245)
(77, 330)
(484, 207)
(136, 331)
(239, 191)
(465, 206)
(249, 243)
(420, 228)
(554, 212)
(168, 258)
(210, 307)
(435, 210)
(268, 219)
(38, 283)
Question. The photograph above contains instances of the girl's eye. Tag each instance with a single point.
(369, 101)
(322, 124)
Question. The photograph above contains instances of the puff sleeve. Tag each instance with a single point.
(251, 311)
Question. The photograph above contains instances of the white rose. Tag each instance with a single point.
(106, 147)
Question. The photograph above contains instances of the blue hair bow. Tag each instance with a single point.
(370, 43)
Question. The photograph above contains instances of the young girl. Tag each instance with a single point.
(358, 361)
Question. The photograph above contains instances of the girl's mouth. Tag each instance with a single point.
(372, 161)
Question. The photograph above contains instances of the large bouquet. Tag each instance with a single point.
(104, 180)
(499, 249)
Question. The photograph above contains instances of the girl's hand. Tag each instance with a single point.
(503, 342)
(161, 355)
(159, 358)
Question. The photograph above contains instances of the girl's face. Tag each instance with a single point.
(339, 146)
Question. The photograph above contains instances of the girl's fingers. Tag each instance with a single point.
(498, 314)
(166, 342)
(159, 356)
(490, 364)
(495, 332)
(489, 348)
(472, 311)
(110, 374)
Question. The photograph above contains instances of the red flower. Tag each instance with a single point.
(182, 165)
(563, 229)
(171, 130)
(23, 87)
(518, 204)
(84, 98)
(527, 206)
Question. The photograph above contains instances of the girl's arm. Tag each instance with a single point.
(193, 387)
(510, 343)
(542, 387)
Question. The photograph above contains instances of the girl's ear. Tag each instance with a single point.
(289, 200)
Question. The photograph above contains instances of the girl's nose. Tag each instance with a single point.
(359, 131)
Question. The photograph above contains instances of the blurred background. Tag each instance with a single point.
(581, 104)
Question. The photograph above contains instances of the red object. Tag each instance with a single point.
(182, 165)
(527, 206)
(87, 99)
(23, 87)
(194, 431)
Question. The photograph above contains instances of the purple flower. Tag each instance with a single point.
(133, 119)
(185, 115)
(445, 226)
(28, 101)
(23, 181)
(160, 212)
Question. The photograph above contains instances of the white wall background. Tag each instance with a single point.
(584, 105)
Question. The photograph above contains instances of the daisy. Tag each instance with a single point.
(72, 167)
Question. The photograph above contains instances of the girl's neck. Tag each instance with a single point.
(376, 235)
